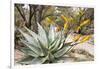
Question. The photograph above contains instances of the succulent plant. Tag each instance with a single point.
(44, 47)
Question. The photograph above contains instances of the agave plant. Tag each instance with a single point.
(44, 47)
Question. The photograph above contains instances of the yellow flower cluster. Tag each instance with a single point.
(49, 21)
(81, 39)
(84, 39)
(78, 28)
(66, 22)
(64, 18)
(82, 24)
(85, 22)
(65, 26)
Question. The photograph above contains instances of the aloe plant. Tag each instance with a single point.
(44, 47)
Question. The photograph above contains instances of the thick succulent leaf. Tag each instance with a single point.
(51, 57)
(26, 60)
(43, 42)
(42, 33)
(60, 46)
(29, 38)
(61, 52)
(36, 38)
(58, 42)
(51, 34)
(40, 60)
(44, 59)
(34, 35)
(53, 44)
(56, 45)
(32, 47)
(43, 48)
(26, 36)
(37, 61)
(30, 60)
(27, 51)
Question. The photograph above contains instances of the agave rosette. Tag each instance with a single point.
(44, 47)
